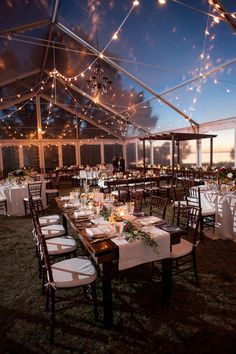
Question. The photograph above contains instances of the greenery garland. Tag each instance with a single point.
(132, 234)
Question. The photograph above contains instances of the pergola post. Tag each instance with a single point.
(234, 147)
(173, 155)
(144, 156)
(1, 161)
(178, 152)
(21, 157)
(199, 152)
(211, 152)
(151, 152)
(136, 152)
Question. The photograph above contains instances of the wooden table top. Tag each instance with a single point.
(103, 251)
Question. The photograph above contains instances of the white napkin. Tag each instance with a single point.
(148, 220)
(82, 213)
(95, 232)
(66, 197)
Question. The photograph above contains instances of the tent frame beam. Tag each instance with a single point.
(81, 116)
(103, 105)
(116, 66)
(26, 27)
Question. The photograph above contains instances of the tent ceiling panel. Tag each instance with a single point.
(21, 54)
(19, 123)
(162, 46)
(20, 86)
(166, 51)
(21, 12)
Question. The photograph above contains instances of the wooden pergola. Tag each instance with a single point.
(176, 138)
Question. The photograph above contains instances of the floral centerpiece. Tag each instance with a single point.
(226, 177)
(19, 175)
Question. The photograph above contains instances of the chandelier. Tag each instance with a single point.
(98, 83)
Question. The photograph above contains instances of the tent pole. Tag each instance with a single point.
(173, 155)
(144, 157)
(211, 152)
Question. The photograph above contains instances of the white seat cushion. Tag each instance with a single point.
(181, 202)
(2, 199)
(207, 212)
(181, 249)
(49, 220)
(115, 193)
(53, 230)
(73, 272)
(35, 199)
(61, 245)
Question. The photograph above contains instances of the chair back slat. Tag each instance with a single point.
(158, 205)
(194, 198)
(137, 198)
(188, 218)
(35, 189)
(41, 240)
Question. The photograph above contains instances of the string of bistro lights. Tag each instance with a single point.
(162, 2)
(56, 73)
(114, 37)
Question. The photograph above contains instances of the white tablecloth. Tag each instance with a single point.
(15, 198)
(225, 213)
(138, 252)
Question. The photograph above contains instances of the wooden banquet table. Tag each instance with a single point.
(111, 182)
(106, 255)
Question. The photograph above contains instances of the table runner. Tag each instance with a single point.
(138, 252)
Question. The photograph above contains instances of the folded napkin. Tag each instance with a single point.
(148, 220)
(69, 205)
(96, 232)
(66, 197)
(82, 214)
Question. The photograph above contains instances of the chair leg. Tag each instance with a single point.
(195, 265)
(94, 297)
(52, 296)
(201, 228)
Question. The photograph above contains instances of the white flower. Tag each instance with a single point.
(230, 175)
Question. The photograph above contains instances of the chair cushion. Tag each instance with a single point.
(181, 249)
(61, 245)
(73, 272)
(35, 199)
(54, 230)
(2, 199)
(207, 212)
(181, 202)
(49, 220)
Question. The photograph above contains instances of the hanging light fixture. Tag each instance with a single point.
(98, 83)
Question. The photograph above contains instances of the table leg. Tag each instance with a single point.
(107, 294)
(64, 223)
(166, 280)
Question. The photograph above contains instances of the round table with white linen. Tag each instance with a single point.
(15, 195)
(225, 212)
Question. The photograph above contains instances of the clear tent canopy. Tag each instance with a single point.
(171, 63)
